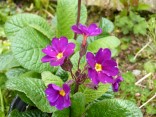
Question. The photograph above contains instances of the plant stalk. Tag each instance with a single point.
(2, 103)
(78, 16)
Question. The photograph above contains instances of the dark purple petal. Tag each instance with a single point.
(92, 27)
(57, 62)
(49, 51)
(51, 93)
(104, 78)
(66, 88)
(90, 59)
(63, 42)
(110, 67)
(67, 101)
(103, 54)
(93, 76)
(76, 29)
(69, 49)
(47, 59)
(55, 87)
(55, 45)
(84, 29)
(115, 87)
(60, 103)
(119, 79)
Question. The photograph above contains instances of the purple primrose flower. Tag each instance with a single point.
(58, 97)
(115, 84)
(58, 51)
(101, 67)
(92, 30)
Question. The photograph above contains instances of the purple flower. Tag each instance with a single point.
(101, 67)
(92, 30)
(58, 97)
(115, 84)
(58, 51)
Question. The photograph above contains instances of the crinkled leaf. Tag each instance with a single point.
(49, 78)
(62, 74)
(7, 61)
(78, 105)
(110, 42)
(63, 113)
(33, 89)
(15, 72)
(21, 21)
(67, 15)
(30, 113)
(27, 48)
(91, 94)
(113, 108)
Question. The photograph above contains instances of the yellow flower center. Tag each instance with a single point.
(59, 55)
(62, 92)
(98, 67)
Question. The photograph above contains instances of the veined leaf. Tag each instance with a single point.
(33, 89)
(113, 108)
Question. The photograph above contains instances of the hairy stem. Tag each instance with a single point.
(79, 62)
(76, 87)
(78, 16)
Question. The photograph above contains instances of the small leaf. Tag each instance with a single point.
(8, 61)
(91, 94)
(49, 78)
(63, 113)
(113, 108)
(78, 105)
(33, 89)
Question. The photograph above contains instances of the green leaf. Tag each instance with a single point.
(27, 48)
(63, 113)
(106, 25)
(62, 74)
(149, 66)
(111, 42)
(33, 89)
(7, 61)
(113, 108)
(3, 79)
(21, 21)
(48, 78)
(15, 72)
(30, 113)
(78, 105)
(67, 15)
(91, 94)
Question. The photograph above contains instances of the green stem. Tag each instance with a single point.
(2, 103)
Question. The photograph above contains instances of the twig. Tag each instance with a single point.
(142, 49)
(78, 16)
(143, 78)
(148, 101)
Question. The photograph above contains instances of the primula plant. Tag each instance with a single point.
(65, 69)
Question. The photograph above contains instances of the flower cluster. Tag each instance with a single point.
(99, 68)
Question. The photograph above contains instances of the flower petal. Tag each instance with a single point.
(55, 87)
(60, 103)
(49, 51)
(90, 59)
(67, 101)
(47, 59)
(55, 45)
(69, 49)
(57, 62)
(110, 67)
(76, 29)
(66, 88)
(63, 42)
(104, 78)
(93, 76)
(103, 54)
(84, 29)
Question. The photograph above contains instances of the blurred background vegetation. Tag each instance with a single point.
(134, 23)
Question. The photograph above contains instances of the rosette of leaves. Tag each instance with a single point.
(30, 33)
